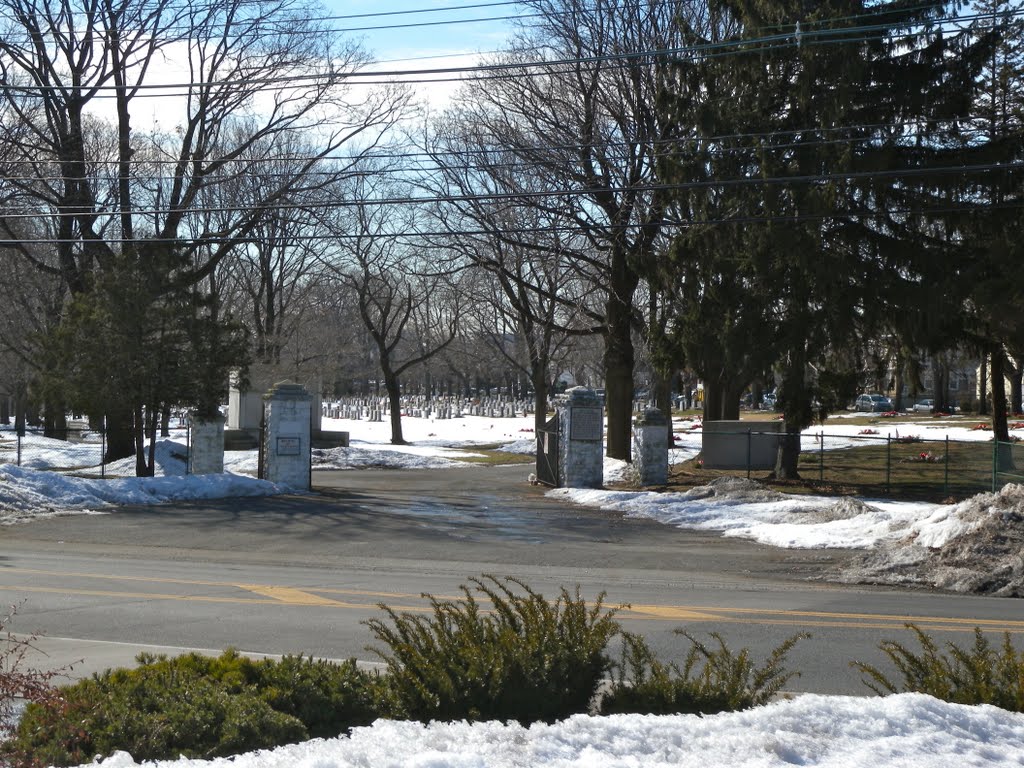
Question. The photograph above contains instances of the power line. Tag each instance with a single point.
(505, 230)
(501, 69)
(526, 162)
(563, 193)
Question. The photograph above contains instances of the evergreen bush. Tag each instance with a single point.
(980, 674)
(193, 706)
(525, 658)
(710, 680)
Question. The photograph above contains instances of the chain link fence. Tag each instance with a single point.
(911, 466)
(82, 451)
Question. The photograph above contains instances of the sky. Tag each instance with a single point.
(420, 35)
(911, 731)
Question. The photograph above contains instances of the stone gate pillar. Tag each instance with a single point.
(205, 444)
(650, 447)
(286, 435)
(581, 438)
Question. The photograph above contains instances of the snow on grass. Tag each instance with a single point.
(908, 730)
(745, 508)
(910, 542)
(28, 493)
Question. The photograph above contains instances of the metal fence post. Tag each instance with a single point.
(888, 462)
(103, 451)
(995, 462)
(19, 449)
(748, 453)
(945, 480)
(821, 457)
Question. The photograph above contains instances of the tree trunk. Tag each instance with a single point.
(619, 357)
(663, 399)
(394, 391)
(1016, 376)
(120, 429)
(55, 421)
(20, 396)
(165, 422)
(139, 440)
(1000, 425)
(797, 411)
(5, 409)
(897, 400)
(940, 388)
(713, 398)
(983, 387)
(539, 382)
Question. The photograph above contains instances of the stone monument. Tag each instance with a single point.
(581, 438)
(650, 447)
(286, 447)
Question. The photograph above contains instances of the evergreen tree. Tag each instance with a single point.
(137, 341)
(814, 121)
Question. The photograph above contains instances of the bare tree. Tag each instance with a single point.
(584, 121)
(254, 73)
(410, 310)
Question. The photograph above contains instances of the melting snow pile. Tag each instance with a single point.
(27, 494)
(974, 546)
(909, 730)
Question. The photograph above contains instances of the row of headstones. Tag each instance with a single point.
(444, 408)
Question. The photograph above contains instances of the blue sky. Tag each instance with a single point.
(419, 34)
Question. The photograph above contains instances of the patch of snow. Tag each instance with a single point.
(908, 730)
(28, 493)
(974, 546)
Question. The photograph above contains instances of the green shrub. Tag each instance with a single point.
(709, 681)
(980, 674)
(525, 659)
(328, 698)
(196, 706)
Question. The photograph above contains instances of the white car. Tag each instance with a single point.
(925, 406)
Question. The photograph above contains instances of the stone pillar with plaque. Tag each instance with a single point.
(581, 438)
(286, 450)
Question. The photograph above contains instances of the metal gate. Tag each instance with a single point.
(548, 471)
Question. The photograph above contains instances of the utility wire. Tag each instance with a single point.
(741, 45)
(563, 193)
(569, 229)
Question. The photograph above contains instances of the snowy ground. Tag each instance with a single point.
(975, 545)
(909, 730)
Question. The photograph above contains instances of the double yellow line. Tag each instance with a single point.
(320, 597)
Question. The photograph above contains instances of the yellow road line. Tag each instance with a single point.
(292, 596)
(317, 597)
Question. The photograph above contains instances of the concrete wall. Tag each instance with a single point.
(725, 444)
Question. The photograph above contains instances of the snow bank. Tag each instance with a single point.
(909, 730)
(745, 508)
(27, 493)
(974, 546)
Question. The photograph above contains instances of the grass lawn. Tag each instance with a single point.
(881, 468)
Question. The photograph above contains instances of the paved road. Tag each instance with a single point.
(299, 573)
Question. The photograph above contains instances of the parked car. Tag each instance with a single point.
(925, 406)
(873, 404)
